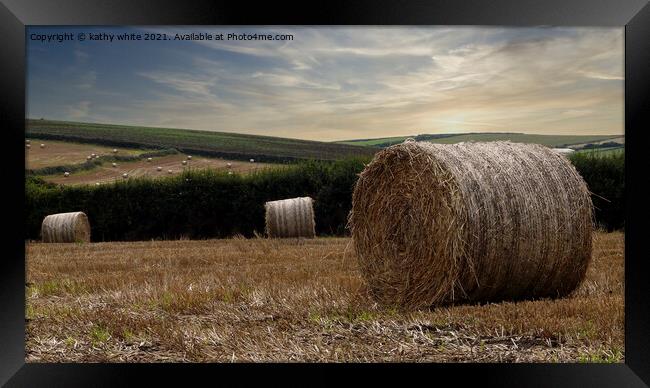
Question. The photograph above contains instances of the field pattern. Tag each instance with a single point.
(290, 300)
(219, 144)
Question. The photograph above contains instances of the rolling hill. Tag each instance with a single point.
(207, 143)
(548, 140)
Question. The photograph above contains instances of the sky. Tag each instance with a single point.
(336, 83)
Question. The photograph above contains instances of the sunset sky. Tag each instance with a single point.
(334, 83)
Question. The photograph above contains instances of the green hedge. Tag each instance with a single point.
(197, 204)
(605, 175)
(207, 204)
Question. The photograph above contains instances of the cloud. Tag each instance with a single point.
(603, 76)
(87, 80)
(183, 82)
(79, 110)
(332, 83)
(81, 55)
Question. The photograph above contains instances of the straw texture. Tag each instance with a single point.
(65, 228)
(290, 218)
(435, 223)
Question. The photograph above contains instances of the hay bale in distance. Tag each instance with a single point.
(184, 162)
(158, 168)
(290, 218)
(470, 222)
(65, 228)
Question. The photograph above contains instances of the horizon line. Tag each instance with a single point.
(323, 141)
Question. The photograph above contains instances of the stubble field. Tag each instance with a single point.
(237, 300)
(106, 173)
(58, 153)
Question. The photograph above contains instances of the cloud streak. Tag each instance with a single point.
(342, 83)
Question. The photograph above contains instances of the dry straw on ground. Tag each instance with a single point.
(66, 228)
(290, 218)
(436, 223)
(289, 300)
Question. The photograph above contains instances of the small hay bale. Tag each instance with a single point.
(27, 141)
(189, 157)
(125, 175)
(149, 159)
(170, 172)
(114, 164)
(158, 168)
(290, 218)
(28, 146)
(229, 165)
(252, 160)
(66, 174)
(42, 145)
(434, 224)
(114, 150)
(184, 162)
(88, 157)
(65, 228)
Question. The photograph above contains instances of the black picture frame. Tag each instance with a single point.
(633, 14)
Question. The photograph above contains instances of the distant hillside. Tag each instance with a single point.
(219, 144)
(548, 140)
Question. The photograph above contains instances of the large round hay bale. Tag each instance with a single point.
(290, 218)
(65, 228)
(470, 222)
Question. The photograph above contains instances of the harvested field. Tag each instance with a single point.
(239, 300)
(106, 173)
(59, 153)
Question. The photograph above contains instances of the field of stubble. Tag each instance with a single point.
(241, 300)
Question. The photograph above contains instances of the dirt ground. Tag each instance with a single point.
(106, 173)
(239, 300)
(60, 153)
